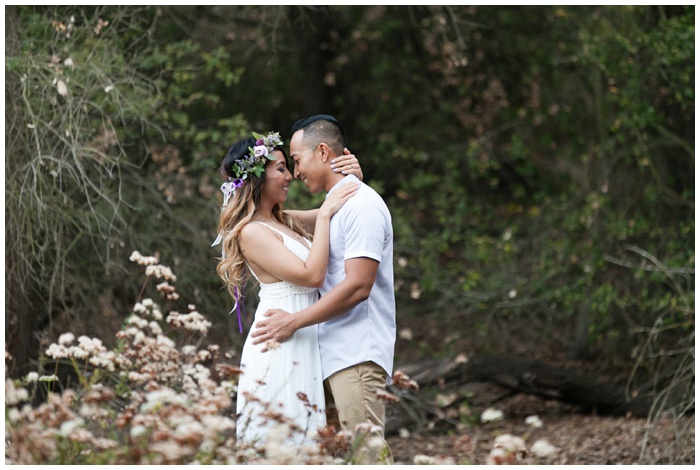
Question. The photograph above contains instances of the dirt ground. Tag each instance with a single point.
(580, 438)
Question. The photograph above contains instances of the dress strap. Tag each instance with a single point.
(286, 236)
(271, 228)
(252, 272)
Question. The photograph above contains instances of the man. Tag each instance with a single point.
(356, 312)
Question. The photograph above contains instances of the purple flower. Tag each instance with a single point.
(259, 142)
(238, 182)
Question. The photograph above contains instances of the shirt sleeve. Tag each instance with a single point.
(365, 231)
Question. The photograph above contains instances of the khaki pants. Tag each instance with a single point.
(352, 394)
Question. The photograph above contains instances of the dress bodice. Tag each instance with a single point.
(280, 289)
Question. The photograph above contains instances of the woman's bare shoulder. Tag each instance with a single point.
(255, 231)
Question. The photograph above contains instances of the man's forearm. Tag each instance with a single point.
(341, 299)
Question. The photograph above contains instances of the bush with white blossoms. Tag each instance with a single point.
(156, 398)
(148, 401)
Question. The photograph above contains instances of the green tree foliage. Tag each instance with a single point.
(100, 162)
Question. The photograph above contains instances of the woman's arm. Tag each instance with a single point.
(306, 218)
(267, 252)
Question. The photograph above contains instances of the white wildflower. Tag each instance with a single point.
(32, 377)
(137, 430)
(513, 445)
(229, 387)
(143, 260)
(138, 321)
(406, 333)
(91, 345)
(67, 427)
(171, 450)
(368, 428)
(203, 355)
(415, 291)
(533, 421)
(193, 321)
(14, 395)
(137, 377)
(105, 360)
(139, 337)
(13, 415)
(57, 351)
(542, 448)
(165, 341)
(159, 397)
(62, 88)
(496, 457)
(66, 338)
(421, 459)
(139, 308)
(102, 443)
(155, 328)
(512, 293)
(159, 271)
(218, 423)
(491, 414)
(190, 429)
(131, 331)
(78, 352)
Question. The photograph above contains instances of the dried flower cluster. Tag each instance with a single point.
(150, 401)
(157, 398)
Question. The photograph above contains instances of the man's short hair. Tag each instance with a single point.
(322, 128)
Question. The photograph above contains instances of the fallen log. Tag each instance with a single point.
(533, 377)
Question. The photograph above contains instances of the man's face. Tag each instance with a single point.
(307, 163)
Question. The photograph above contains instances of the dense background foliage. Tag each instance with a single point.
(538, 162)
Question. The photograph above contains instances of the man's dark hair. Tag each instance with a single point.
(322, 128)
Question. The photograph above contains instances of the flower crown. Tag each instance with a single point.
(251, 164)
(258, 156)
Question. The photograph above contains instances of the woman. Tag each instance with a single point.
(284, 384)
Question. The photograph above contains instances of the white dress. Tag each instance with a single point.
(287, 381)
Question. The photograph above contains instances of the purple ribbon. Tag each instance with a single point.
(239, 301)
(229, 188)
(238, 310)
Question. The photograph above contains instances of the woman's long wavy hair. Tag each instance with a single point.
(238, 213)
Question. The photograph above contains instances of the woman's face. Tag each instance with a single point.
(277, 179)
